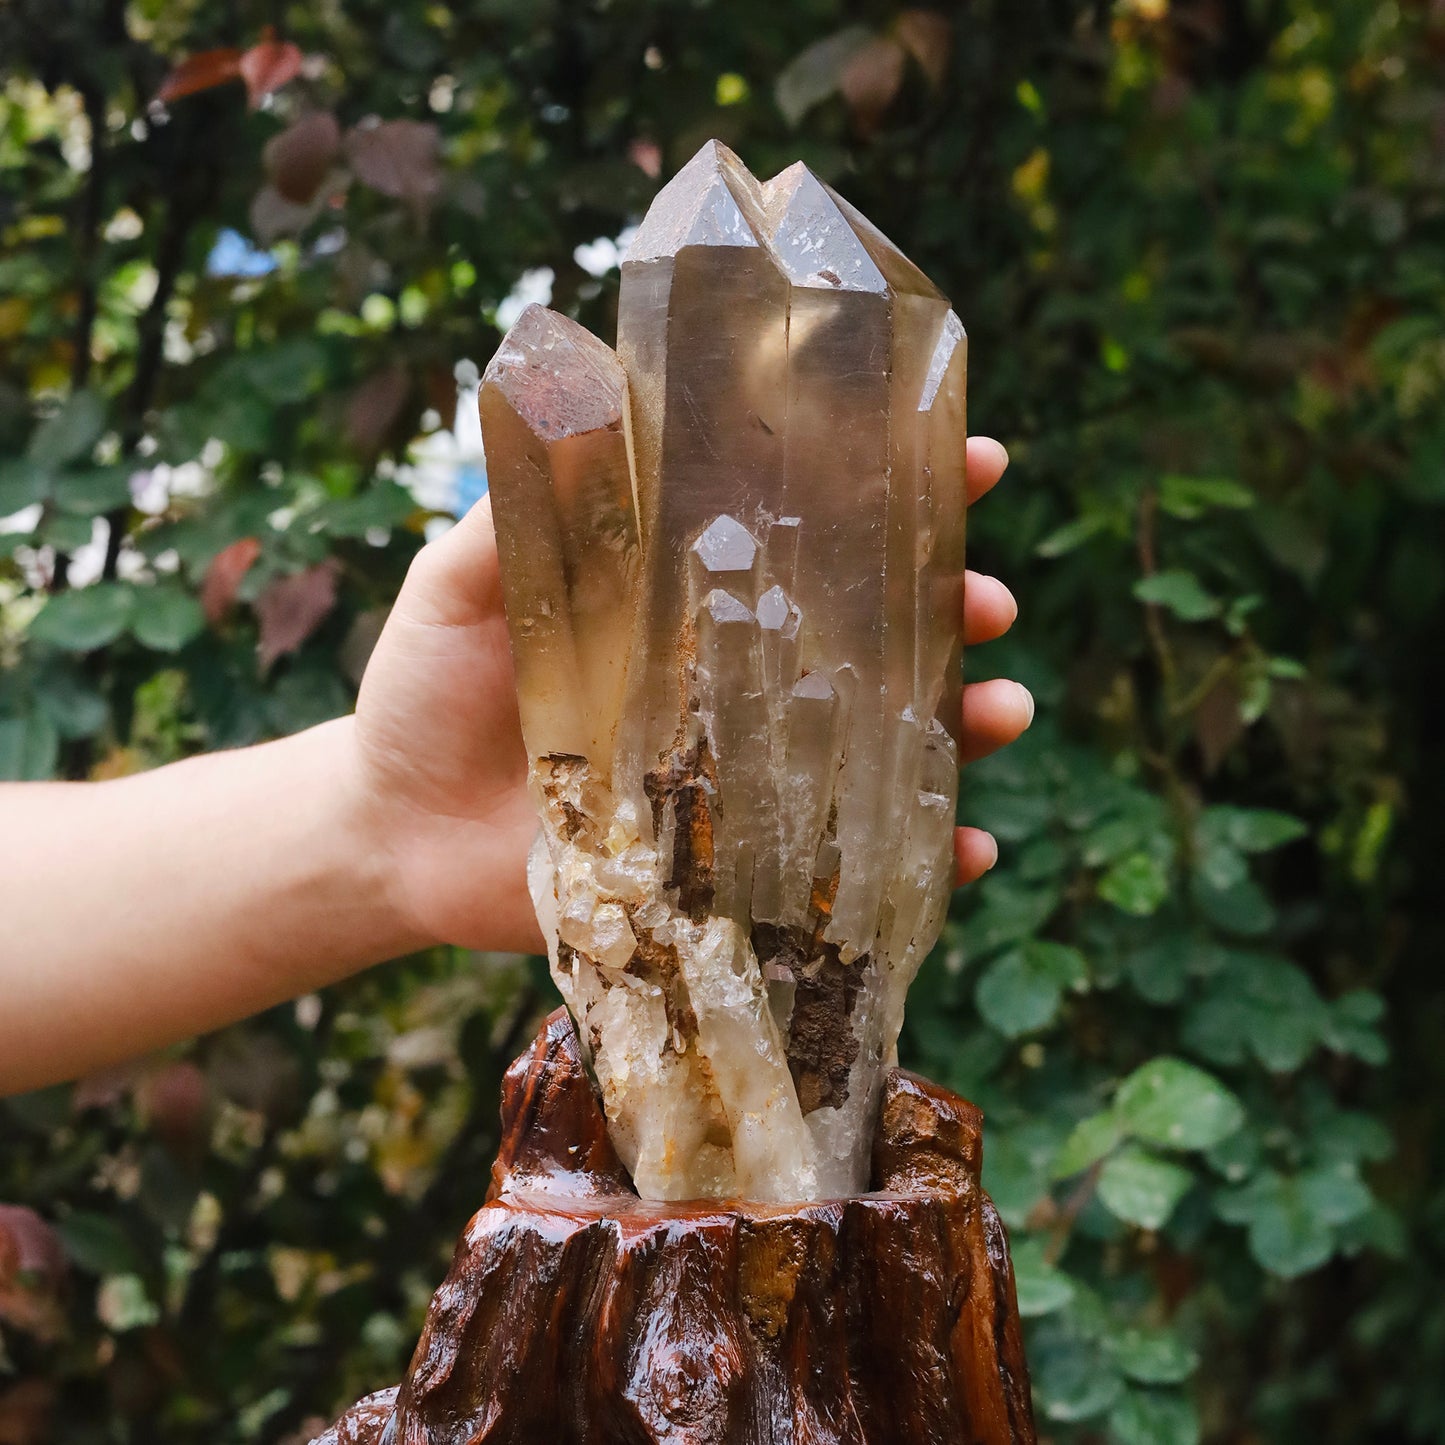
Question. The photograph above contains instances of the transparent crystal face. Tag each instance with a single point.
(732, 559)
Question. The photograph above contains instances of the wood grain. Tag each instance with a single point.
(576, 1313)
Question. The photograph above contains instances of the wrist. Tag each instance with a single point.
(371, 838)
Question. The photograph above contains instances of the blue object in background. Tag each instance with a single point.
(234, 255)
(471, 486)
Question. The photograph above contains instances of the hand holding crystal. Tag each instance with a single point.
(439, 744)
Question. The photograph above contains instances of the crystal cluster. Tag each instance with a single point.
(732, 560)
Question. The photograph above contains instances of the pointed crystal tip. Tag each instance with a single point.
(813, 684)
(558, 377)
(726, 546)
(773, 609)
(697, 207)
(813, 241)
(723, 607)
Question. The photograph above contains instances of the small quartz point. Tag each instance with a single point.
(732, 559)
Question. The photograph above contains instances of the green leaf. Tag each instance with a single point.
(1160, 970)
(289, 371)
(814, 74)
(1351, 1026)
(1137, 884)
(1152, 1357)
(98, 489)
(1154, 1417)
(1251, 830)
(382, 505)
(71, 432)
(1221, 867)
(1140, 1188)
(1171, 1103)
(65, 531)
(1007, 913)
(1289, 1239)
(1179, 592)
(1287, 1235)
(1071, 535)
(29, 748)
(1042, 1289)
(1016, 1168)
(22, 484)
(1014, 998)
(85, 618)
(70, 701)
(97, 1243)
(1061, 962)
(1242, 907)
(166, 617)
(1091, 1140)
(1075, 1383)
(1261, 1003)
(1335, 1193)
(1021, 991)
(1190, 497)
(1348, 1136)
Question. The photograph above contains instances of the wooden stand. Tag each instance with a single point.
(576, 1313)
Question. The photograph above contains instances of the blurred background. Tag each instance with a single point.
(251, 257)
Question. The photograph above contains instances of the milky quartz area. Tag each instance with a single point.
(732, 558)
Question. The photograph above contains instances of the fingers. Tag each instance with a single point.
(986, 460)
(975, 852)
(455, 581)
(994, 714)
(988, 609)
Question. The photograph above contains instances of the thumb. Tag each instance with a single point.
(456, 580)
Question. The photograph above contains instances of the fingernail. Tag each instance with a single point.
(997, 445)
(1013, 603)
(993, 844)
(1028, 702)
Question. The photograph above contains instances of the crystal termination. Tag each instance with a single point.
(732, 562)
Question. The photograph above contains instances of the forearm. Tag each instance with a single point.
(147, 909)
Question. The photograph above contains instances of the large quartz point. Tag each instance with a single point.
(732, 558)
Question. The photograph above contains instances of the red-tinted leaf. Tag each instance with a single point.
(203, 71)
(646, 155)
(224, 575)
(1218, 722)
(175, 1102)
(871, 79)
(398, 158)
(34, 1246)
(268, 66)
(32, 1266)
(293, 607)
(299, 158)
(928, 37)
(375, 406)
(273, 216)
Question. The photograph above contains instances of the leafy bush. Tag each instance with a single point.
(1196, 246)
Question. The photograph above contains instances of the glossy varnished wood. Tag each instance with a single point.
(576, 1313)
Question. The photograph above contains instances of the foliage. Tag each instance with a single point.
(1196, 246)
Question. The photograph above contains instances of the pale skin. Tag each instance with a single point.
(144, 910)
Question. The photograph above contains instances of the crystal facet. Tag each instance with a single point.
(732, 559)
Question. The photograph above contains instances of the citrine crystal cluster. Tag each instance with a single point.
(732, 560)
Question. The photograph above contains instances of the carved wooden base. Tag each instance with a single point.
(576, 1313)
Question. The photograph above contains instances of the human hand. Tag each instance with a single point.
(439, 757)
